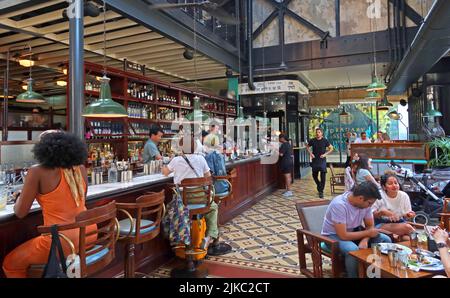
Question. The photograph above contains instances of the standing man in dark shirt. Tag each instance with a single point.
(318, 159)
(286, 163)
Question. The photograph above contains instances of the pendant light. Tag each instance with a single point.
(393, 114)
(105, 107)
(431, 112)
(373, 95)
(376, 83)
(384, 104)
(343, 113)
(30, 96)
(197, 116)
(240, 120)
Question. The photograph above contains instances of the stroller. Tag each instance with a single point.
(430, 201)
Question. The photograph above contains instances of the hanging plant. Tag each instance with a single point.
(441, 147)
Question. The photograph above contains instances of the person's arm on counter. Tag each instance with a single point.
(441, 236)
(28, 194)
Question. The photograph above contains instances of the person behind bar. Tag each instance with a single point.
(363, 139)
(59, 184)
(212, 142)
(195, 167)
(344, 221)
(151, 151)
(318, 159)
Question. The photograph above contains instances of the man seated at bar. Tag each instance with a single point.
(191, 165)
(344, 221)
(59, 184)
(363, 139)
(151, 151)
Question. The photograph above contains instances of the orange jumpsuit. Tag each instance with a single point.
(58, 207)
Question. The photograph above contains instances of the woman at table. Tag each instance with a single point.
(363, 166)
(392, 211)
(443, 242)
(59, 184)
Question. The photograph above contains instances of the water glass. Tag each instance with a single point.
(3, 196)
(376, 249)
(393, 258)
(414, 239)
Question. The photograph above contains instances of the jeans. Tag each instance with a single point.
(351, 264)
(320, 184)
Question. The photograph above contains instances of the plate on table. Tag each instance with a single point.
(387, 246)
(428, 264)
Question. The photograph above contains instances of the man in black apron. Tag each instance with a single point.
(319, 145)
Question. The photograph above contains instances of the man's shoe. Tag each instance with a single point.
(321, 195)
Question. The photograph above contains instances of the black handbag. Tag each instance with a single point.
(56, 266)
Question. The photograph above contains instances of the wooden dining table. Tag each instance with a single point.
(386, 271)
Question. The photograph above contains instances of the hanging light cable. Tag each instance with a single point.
(105, 107)
(376, 83)
(30, 96)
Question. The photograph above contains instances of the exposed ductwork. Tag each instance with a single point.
(430, 44)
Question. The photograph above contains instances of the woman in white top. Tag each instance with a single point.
(393, 209)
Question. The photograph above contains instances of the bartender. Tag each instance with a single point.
(151, 151)
(212, 141)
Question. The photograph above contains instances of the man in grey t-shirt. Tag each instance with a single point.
(344, 221)
(151, 151)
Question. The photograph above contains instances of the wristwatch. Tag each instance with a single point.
(441, 245)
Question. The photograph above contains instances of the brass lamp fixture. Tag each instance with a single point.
(105, 107)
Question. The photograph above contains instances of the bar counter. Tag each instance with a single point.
(254, 181)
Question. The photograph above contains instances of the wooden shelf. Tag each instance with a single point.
(97, 94)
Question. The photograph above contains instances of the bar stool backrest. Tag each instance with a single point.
(96, 245)
(197, 191)
(149, 207)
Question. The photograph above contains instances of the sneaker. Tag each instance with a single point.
(288, 194)
(205, 243)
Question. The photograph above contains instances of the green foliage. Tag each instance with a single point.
(442, 159)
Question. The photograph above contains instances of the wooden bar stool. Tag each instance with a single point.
(197, 195)
(96, 247)
(221, 248)
(144, 216)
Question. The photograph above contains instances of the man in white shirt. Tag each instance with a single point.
(363, 139)
(181, 170)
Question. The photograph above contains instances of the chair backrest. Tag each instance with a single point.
(97, 238)
(312, 214)
(197, 191)
(146, 213)
(331, 169)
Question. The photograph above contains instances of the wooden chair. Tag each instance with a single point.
(336, 180)
(200, 190)
(96, 248)
(221, 248)
(311, 216)
(145, 216)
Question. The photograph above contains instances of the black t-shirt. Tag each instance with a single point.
(319, 147)
(286, 150)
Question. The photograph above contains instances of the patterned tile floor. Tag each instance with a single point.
(264, 237)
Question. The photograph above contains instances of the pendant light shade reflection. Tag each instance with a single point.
(105, 107)
(30, 96)
(197, 115)
(384, 104)
(431, 112)
(376, 85)
(373, 95)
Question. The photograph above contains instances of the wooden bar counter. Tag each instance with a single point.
(254, 181)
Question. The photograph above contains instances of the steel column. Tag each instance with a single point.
(76, 67)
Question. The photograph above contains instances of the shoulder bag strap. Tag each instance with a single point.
(189, 164)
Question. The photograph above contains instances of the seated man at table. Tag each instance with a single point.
(344, 220)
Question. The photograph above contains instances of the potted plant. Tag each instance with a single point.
(441, 148)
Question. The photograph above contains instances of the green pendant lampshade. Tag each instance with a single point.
(431, 112)
(343, 113)
(240, 120)
(384, 104)
(197, 115)
(376, 85)
(30, 96)
(373, 95)
(105, 107)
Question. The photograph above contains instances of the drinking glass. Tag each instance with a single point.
(3, 195)
(393, 258)
(422, 240)
(413, 239)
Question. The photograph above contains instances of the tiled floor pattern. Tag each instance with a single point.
(264, 238)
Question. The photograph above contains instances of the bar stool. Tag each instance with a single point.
(197, 195)
(221, 248)
(144, 216)
(96, 248)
